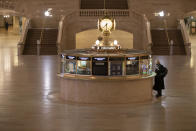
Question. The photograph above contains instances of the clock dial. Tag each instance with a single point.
(106, 24)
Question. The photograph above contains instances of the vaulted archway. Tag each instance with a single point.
(86, 39)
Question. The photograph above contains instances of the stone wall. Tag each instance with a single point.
(35, 9)
(73, 24)
(45, 22)
(176, 8)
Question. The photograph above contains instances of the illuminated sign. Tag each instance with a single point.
(108, 48)
(133, 58)
(71, 57)
(100, 58)
(84, 58)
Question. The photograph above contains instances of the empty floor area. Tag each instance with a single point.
(29, 99)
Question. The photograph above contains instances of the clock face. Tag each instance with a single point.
(106, 24)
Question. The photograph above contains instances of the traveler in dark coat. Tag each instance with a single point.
(6, 25)
(161, 72)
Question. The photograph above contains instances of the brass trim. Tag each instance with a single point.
(104, 78)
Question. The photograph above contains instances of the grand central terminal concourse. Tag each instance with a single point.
(97, 65)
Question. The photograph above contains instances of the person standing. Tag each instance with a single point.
(6, 25)
(161, 72)
(20, 24)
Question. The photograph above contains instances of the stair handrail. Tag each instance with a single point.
(185, 36)
(23, 37)
(166, 31)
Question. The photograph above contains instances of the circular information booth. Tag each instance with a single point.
(106, 73)
(115, 76)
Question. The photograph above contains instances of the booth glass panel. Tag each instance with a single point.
(132, 67)
(144, 67)
(116, 68)
(100, 66)
(70, 66)
(83, 67)
(62, 64)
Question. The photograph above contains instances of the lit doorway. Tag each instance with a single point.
(11, 26)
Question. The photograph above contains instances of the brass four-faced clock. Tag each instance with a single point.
(106, 24)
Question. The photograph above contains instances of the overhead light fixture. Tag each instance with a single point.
(115, 42)
(6, 16)
(97, 42)
(47, 13)
(162, 14)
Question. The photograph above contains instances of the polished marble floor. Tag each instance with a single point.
(28, 102)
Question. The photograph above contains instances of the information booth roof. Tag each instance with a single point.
(94, 53)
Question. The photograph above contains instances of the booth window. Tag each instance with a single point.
(144, 65)
(116, 66)
(132, 66)
(100, 66)
(70, 65)
(83, 66)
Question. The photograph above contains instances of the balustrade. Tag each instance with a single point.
(98, 12)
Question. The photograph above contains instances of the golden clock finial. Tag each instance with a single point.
(106, 25)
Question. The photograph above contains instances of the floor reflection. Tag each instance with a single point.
(8, 50)
(26, 81)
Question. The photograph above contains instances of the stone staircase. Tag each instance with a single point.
(48, 44)
(160, 42)
(30, 47)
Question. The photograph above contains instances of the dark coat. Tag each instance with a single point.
(159, 78)
(6, 25)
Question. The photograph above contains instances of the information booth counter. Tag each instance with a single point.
(97, 77)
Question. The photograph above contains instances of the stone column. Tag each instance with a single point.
(16, 27)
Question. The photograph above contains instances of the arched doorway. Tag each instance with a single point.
(13, 19)
(87, 38)
(190, 27)
(10, 36)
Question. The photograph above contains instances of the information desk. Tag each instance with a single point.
(106, 77)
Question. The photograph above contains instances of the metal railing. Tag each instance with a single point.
(185, 35)
(21, 43)
(102, 12)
